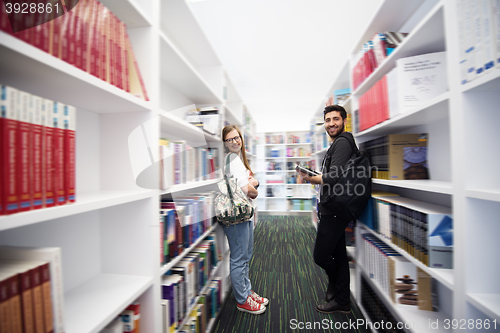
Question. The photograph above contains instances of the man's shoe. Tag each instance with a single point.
(332, 306)
(330, 296)
(251, 306)
(258, 299)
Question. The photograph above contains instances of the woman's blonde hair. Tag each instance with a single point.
(225, 132)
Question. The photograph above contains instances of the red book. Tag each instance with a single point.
(104, 43)
(94, 42)
(45, 33)
(55, 36)
(48, 155)
(26, 301)
(14, 299)
(110, 27)
(5, 316)
(24, 152)
(36, 154)
(69, 153)
(85, 31)
(8, 150)
(137, 86)
(77, 35)
(36, 288)
(58, 145)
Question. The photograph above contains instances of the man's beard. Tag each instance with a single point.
(341, 128)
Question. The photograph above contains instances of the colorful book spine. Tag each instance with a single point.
(36, 153)
(48, 156)
(24, 152)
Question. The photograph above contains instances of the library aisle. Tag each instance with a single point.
(283, 270)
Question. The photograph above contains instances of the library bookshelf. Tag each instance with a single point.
(460, 176)
(109, 236)
(277, 155)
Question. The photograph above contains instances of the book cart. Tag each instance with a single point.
(109, 238)
(462, 136)
(277, 155)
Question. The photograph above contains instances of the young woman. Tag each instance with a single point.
(240, 236)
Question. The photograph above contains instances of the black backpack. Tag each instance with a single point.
(356, 182)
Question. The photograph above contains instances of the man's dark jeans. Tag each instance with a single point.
(330, 254)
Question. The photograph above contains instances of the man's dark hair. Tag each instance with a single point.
(337, 108)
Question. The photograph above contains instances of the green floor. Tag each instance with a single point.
(283, 270)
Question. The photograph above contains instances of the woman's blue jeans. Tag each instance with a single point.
(240, 238)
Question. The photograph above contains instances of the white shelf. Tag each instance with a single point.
(190, 186)
(301, 198)
(489, 304)
(232, 118)
(85, 202)
(174, 261)
(427, 37)
(489, 81)
(59, 81)
(177, 72)
(92, 305)
(444, 276)
(491, 195)
(129, 13)
(430, 111)
(180, 24)
(298, 158)
(408, 313)
(299, 144)
(178, 128)
(421, 185)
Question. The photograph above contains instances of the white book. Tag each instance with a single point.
(469, 38)
(392, 92)
(477, 26)
(165, 312)
(488, 35)
(116, 326)
(496, 29)
(421, 78)
(53, 256)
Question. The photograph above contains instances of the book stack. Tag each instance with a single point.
(423, 230)
(413, 81)
(479, 37)
(373, 54)
(37, 152)
(31, 289)
(89, 37)
(131, 318)
(181, 163)
(275, 139)
(375, 308)
(182, 221)
(398, 156)
(298, 152)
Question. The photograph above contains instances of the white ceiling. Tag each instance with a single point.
(283, 55)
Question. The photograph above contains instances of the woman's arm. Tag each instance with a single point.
(250, 191)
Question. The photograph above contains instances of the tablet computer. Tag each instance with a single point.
(309, 172)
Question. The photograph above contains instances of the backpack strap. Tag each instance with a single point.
(228, 164)
(354, 149)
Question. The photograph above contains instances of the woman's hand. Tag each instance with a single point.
(252, 181)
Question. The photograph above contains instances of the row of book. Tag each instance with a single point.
(89, 37)
(295, 139)
(37, 152)
(478, 24)
(298, 152)
(189, 285)
(129, 321)
(206, 118)
(299, 204)
(181, 163)
(373, 54)
(423, 230)
(398, 156)
(31, 290)
(274, 139)
(295, 179)
(183, 220)
(395, 275)
(413, 81)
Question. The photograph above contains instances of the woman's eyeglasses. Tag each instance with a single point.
(236, 139)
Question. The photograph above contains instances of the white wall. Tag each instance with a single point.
(283, 55)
